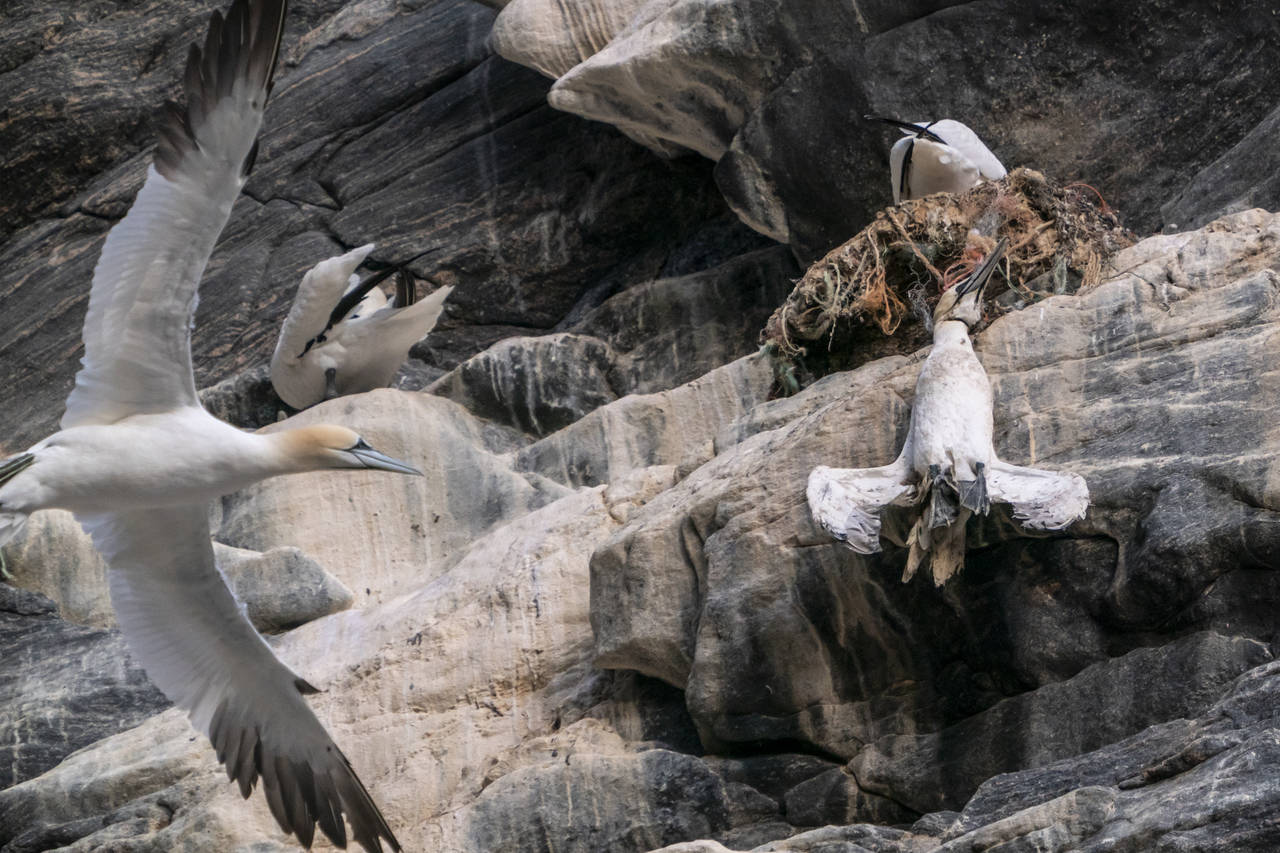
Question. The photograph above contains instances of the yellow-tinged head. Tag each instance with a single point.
(963, 302)
(330, 446)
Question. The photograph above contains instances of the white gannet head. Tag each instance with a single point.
(328, 446)
(963, 302)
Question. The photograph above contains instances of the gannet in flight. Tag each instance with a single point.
(948, 463)
(138, 459)
(343, 336)
(938, 157)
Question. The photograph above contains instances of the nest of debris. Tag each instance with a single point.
(874, 295)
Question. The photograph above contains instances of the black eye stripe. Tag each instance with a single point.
(360, 444)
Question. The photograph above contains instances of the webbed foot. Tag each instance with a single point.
(973, 493)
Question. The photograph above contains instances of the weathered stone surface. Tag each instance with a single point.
(776, 95)
(685, 74)
(637, 803)
(464, 683)
(431, 711)
(648, 338)
(411, 529)
(63, 687)
(1104, 703)
(56, 558)
(808, 169)
(537, 385)
(723, 586)
(281, 588)
(461, 157)
(554, 37)
(1246, 176)
(676, 427)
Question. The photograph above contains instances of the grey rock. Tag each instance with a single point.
(636, 803)
(461, 157)
(1102, 704)
(72, 687)
(537, 385)
(722, 585)
(672, 330)
(1082, 58)
(648, 338)
(836, 797)
(676, 427)
(1245, 176)
(281, 588)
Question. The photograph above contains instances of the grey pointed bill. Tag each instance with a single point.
(979, 278)
(370, 458)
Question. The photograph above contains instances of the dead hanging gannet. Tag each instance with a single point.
(343, 336)
(138, 459)
(948, 462)
(938, 157)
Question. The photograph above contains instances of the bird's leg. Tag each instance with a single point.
(4, 568)
(943, 503)
(330, 383)
(973, 493)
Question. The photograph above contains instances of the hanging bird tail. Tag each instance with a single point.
(947, 555)
(938, 535)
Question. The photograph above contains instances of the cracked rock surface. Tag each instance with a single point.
(604, 620)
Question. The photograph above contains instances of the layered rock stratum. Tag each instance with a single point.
(604, 620)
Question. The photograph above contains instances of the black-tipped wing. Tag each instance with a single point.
(137, 332)
(921, 131)
(190, 635)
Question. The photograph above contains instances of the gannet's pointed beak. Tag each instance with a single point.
(979, 278)
(370, 458)
(920, 130)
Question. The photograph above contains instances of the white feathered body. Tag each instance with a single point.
(956, 164)
(185, 456)
(364, 349)
(951, 421)
(951, 428)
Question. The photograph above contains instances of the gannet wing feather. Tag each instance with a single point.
(377, 344)
(847, 502)
(191, 636)
(137, 332)
(1042, 500)
(320, 290)
(962, 138)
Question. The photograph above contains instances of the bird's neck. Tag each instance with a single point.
(950, 333)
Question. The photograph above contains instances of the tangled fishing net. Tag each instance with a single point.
(874, 295)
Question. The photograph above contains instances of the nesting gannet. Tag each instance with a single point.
(343, 336)
(138, 459)
(948, 463)
(938, 157)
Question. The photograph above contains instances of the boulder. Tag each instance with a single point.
(723, 586)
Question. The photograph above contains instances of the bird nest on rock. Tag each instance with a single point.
(874, 295)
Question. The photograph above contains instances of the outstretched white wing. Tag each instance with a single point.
(847, 501)
(1042, 500)
(190, 635)
(137, 332)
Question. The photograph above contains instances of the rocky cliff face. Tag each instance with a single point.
(603, 620)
